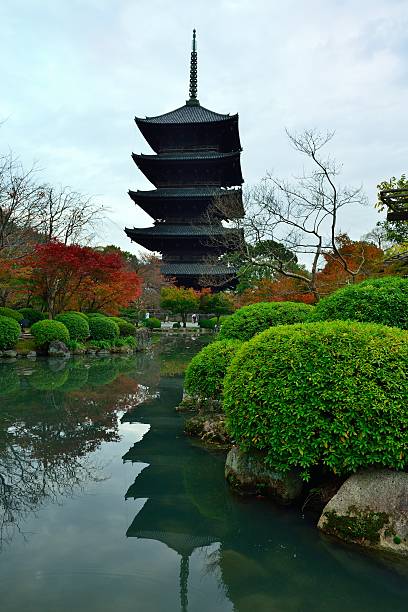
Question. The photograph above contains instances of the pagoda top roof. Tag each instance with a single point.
(189, 113)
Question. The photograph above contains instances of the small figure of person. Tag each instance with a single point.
(147, 315)
(194, 319)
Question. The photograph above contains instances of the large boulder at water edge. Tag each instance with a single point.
(58, 349)
(370, 509)
(247, 473)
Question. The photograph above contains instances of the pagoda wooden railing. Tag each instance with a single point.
(396, 200)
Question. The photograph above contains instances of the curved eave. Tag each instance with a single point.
(217, 131)
(157, 238)
(162, 203)
(226, 168)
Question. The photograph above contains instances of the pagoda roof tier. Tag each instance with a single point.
(191, 127)
(165, 236)
(196, 269)
(164, 203)
(187, 113)
(189, 169)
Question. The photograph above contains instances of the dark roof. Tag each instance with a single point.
(186, 114)
(185, 192)
(196, 269)
(167, 229)
(186, 156)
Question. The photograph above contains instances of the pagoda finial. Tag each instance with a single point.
(193, 101)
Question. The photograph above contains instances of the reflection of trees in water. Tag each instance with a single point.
(54, 415)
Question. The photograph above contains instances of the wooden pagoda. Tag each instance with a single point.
(197, 176)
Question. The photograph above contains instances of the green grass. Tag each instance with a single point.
(25, 346)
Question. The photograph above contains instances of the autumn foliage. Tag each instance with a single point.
(71, 277)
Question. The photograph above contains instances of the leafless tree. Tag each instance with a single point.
(32, 211)
(300, 215)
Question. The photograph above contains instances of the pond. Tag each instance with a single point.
(106, 506)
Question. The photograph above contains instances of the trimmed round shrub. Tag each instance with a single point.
(255, 318)
(9, 333)
(103, 328)
(206, 371)
(380, 300)
(330, 394)
(32, 316)
(76, 324)
(12, 314)
(207, 323)
(176, 325)
(48, 330)
(125, 328)
(152, 323)
(77, 312)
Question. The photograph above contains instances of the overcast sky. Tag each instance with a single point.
(75, 73)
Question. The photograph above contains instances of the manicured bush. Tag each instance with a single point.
(76, 324)
(207, 323)
(206, 371)
(255, 318)
(381, 300)
(103, 328)
(176, 325)
(12, 314)
(9, 333)
(152, 323)
(46, 331)
(32, 316)
(77, 312)
(125, 328)
(329, 394)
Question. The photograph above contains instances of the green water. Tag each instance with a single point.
(106, 506)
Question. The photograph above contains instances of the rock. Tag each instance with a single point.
(370, 509)
(32, 355)
(143, 337)
(248, 473)
(91, 352)
(79, 351)
(58, 349)
(103, 352)
(209, 428)
(10, 354)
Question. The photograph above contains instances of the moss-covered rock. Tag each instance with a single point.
(248, 473)
(370, 509)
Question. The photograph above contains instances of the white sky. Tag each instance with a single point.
(74, 74)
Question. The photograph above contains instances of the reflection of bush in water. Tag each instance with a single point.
(9, 381)
(45, 379)
(77, 376)
(103, 371)
(175, 366)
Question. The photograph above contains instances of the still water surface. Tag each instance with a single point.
(106, 506)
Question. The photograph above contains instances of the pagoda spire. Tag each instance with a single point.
(193, 101)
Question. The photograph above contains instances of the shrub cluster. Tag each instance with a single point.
(46, 331)
(381, 300)
(103, 328)
(125, 328)
(152, 323)
(9, 332)
(255, 318)
(12, 314)
(32, 316)
(76, 324)
(206, 371)
(327, 394)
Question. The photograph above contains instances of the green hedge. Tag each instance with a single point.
(46, 331)
(206, 371)
(255, 318)
(381, 300)
(125, 328)
(32, 316)
(103, 328)
(78, 313)
(152, 323)
(9, 333)
(330, 394)
(76, 324)
(12, 314)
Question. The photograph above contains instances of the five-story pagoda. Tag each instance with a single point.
(196, 170)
